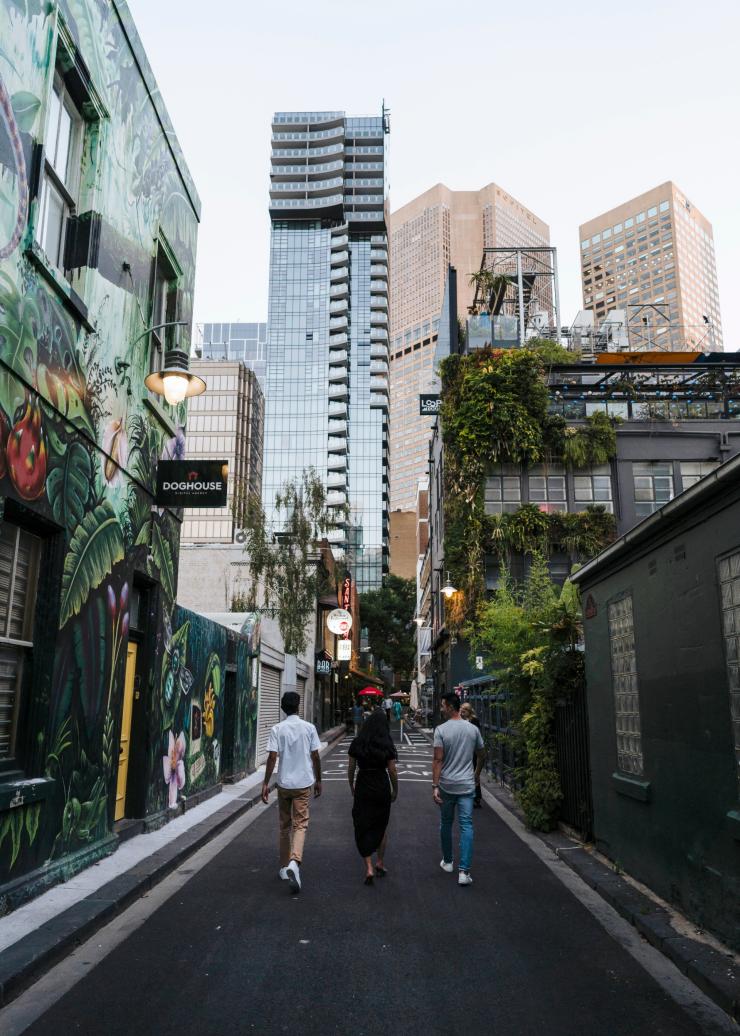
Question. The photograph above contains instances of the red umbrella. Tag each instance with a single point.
(370, 690)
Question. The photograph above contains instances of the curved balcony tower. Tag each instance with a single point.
(327, 339)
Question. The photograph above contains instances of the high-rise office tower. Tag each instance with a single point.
(225, 423)
(327, 330)
(438, 229)
(235, 342)
(653, 257)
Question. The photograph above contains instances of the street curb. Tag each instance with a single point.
(26, 960)
(715, 974)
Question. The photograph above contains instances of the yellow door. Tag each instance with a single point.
(128, 702)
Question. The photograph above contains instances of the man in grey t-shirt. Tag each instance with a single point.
(453, 782)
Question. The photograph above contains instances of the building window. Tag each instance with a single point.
(624, 686)
(547, 487)
(60, 173)
(19, 554)
(503, 490)
(653, 481)
(693, 470)
(729, 580)
(164, 307)
(593, 486)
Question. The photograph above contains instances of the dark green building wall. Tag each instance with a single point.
(677, 827)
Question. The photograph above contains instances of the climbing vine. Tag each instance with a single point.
(495, 410)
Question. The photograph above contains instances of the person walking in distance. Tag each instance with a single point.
(357, 717)
(296, 744)
(388, 705)
(453, 782)
(468, 712)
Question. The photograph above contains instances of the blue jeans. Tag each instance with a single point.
(464, 805)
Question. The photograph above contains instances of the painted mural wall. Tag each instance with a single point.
(80, 439)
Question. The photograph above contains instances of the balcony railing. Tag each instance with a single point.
(339, 258)
(306, 203)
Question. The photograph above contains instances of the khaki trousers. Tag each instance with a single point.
(293, 809)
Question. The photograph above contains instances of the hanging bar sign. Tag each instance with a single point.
(429, 404)
(192, 483)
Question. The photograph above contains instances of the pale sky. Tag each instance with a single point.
(572, 107)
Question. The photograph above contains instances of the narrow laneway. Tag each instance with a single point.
(232, 951)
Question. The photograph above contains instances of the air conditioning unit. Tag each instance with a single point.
(240, 536)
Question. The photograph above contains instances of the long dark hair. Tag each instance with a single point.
(373, 745)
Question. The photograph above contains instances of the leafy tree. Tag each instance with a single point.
(388, 614)
(284, 566)
(529, 635)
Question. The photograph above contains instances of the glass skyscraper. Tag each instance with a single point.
(327, 331)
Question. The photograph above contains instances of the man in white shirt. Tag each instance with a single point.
(297, 745)
(388, 705)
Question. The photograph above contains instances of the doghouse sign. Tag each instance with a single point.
(192, 483)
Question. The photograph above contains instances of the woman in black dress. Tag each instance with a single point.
(372, 757)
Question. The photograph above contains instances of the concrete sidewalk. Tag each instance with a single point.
(42, 931)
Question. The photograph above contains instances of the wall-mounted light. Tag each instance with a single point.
(174, 381)
(419, 620)
(448, 589)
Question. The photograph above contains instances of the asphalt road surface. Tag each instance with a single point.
(226, 949)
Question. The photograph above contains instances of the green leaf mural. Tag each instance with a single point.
(19, 317)
(162, 565)
(68, 486)
(93, 551)
(32, 821)
(25, 108)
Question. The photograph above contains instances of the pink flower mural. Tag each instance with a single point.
(174, 767)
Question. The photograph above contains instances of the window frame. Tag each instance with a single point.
(24, 644)
(163, 339)
(618, 673)
(51, 178)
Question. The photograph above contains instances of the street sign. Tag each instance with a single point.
(347, 592)
(192, 483)
(339, 621)
(479, 661)
(344, 650)
(429, 404)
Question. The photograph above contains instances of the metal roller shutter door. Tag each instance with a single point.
(269, 707)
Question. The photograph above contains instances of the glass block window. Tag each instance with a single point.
(653, 481)
(593, 486)
(547, 487)
(624, 685)
(503, 489)
(693, 470)
(19, 552)
(729, 581)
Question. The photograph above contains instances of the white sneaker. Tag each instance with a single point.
(283, 873)
(449, 867)
(294, 876)
(464, 878)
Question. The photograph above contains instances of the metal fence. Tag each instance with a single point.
(493, 710)
(571, 746)
(574, 768)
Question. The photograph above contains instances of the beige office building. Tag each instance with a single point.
(438, 229)
(225, 423)
(653, 257)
